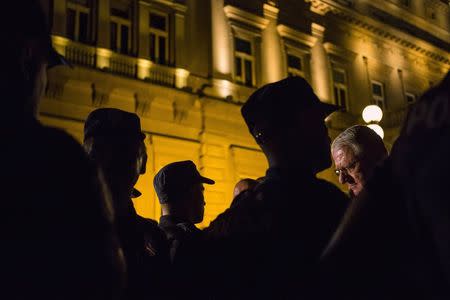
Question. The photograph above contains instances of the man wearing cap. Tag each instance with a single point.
(57, 224)
(179, 187)
(276, 236)
(114, 140)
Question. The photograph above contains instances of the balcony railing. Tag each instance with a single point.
(123, 65)
(120, 64)
(162, 76)
(80, 54)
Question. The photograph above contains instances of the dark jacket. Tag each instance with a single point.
(56, 227)
(269, 244)
(146, 253)
(187, 250)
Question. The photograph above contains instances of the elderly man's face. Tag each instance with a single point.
(349, 170)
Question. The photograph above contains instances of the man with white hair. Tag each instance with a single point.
(356, 152)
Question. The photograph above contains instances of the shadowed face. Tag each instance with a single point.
(197, 204)
(349, 170)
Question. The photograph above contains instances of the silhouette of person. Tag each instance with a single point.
(114, 140)
(179, 187)
(58, 239)
(356, 152)
(243, 185)
(397, 233)
(276, 235)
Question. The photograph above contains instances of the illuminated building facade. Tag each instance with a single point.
(186, 66)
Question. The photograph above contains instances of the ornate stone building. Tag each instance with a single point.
(186, 66)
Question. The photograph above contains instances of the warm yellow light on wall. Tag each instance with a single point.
(181, 76)
(143, 68)
(103, 57)
(224, 88)
(221, 39)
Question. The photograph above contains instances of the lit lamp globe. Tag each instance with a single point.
(377, 128)
(372, 114)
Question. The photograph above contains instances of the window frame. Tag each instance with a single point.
(158, 33)
(244, 57)
(340, 87)
(376, 98)
(122, 22)
(292, 70)
(79, 8)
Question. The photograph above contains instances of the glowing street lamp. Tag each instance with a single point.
(372, 115)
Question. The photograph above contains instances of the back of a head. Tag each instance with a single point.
(23, 27)
(114, 140)
(366, 144)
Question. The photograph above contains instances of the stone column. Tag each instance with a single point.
(272, 64)
(180, 33)
(59, 17)
(143, 34)
(222, 52)
(320, 66)
(103, 29)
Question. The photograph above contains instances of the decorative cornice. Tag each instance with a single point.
(318, 31)
(403, 42)
(292, 34)
(353, 18)
(340, 52)
(241, 16)
(270, 11)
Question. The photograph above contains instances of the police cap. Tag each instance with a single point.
(279, 101)
(176, 178)
(113, 122)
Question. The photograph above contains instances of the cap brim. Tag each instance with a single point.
(56, 59)
(135, 193)
(206, 180)
(328, 108)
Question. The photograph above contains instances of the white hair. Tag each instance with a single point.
(365, 143)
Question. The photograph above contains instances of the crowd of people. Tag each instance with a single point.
(70, 230)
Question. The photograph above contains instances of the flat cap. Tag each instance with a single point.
(278, 101)
(176, 178)
(113, 122)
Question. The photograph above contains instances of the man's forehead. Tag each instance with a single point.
(343, 152)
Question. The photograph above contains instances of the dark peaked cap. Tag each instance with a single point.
(113, 122)
(175, 178)
(278, 101)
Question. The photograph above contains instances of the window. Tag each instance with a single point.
(159, 38)
(244, 62)
(295, 65)
(378, 94)
(120, 32)
(78, 20)
(340, 88)
(410, 98)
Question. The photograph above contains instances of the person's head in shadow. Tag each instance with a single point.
(356, 152)
(286, 119)
(244, 185)
(28, 52)
(114, 140)
(179, 187)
